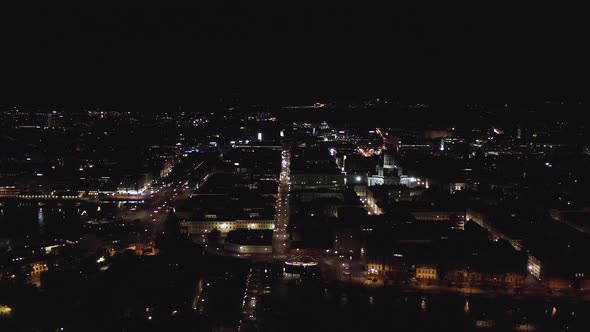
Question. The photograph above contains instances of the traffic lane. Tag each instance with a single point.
(167, 195)
(162, 200)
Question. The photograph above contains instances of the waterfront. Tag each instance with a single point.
(313, 305)
(48, 220)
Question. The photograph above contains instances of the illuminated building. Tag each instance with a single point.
(457, 186)
(426, 272)
(248, 248)
(379, 268)
(310, 195)
(317, 180)
(134, 185)
(436, 134)
(38, 267)
(534, 266)
(361, 190)
(249, 241)
(515, 279)
(378, 198)
(313, 169)
(385, 266)
(9, 191)
(439, 216)
(303, 261)
(558, 284)
(374, 204)
(197, 227)
(52, 120)
(386, 174)
(463, 275)
(147, 248)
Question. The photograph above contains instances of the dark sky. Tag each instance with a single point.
(145, 55)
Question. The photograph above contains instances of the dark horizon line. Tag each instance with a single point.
(217, 104)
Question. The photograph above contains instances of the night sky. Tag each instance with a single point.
(277, 52)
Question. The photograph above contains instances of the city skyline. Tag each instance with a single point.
(292, 167)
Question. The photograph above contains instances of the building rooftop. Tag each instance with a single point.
(250, 237)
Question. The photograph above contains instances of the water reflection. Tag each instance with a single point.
(343, 299)
(50, 219)
(342, 310)
(41, 220)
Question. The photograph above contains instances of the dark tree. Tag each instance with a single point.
(214, 235)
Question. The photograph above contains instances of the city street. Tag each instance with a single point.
(280, 236)
(169, 195)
